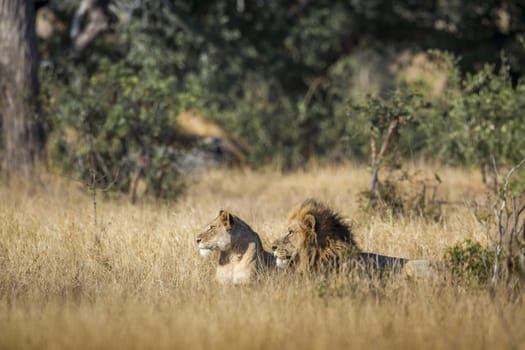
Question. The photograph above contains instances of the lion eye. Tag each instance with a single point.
(211, 227)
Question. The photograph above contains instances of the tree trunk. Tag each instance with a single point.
(21, 136)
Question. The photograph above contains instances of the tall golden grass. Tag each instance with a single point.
(136, 280)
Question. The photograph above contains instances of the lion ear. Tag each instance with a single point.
(226, 218)
(309, 222)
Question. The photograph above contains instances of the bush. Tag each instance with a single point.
(405, 193)
(117, 122)
(480, 119)
(470, 263)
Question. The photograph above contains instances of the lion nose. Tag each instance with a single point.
(198, 240)
(274, 248)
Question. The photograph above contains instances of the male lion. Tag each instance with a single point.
(241, 253)
(317, 238)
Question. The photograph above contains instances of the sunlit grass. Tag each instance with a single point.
(136, 280)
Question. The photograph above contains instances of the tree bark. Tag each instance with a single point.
(21, 136)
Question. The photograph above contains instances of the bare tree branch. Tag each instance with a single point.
(502, 216)
(97, 22)
(376, 159)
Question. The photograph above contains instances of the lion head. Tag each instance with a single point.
(218, 234)
(226, 233)
(285, 249)
(316, 237)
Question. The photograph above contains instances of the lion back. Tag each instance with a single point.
(248, 235)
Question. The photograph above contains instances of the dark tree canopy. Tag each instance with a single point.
(281, 76)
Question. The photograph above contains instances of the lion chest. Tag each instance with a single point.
(236, 268)
(233, 274)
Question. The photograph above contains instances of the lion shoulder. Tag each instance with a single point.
(254, 258)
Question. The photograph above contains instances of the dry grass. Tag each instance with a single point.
(144, 285)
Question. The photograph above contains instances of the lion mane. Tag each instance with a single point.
(327, 239)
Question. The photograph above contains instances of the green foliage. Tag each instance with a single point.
(266, 115)
(490, 106)
(118, 122)
(469, 262)
(292, 79)
(480, 120)
(373, 116)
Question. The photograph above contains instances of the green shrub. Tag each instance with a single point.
(117, 122)
(480, 119)
(470, 263)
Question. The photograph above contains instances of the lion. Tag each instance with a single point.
(242, 257)
(317, 236)
(318, 239)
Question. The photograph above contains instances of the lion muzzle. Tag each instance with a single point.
(282, 263)
(204, 252)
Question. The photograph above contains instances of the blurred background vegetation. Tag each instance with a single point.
(291, 81)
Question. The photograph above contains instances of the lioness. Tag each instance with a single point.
(241, 253)
(317, 238)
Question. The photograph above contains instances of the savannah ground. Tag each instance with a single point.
(136, 280)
